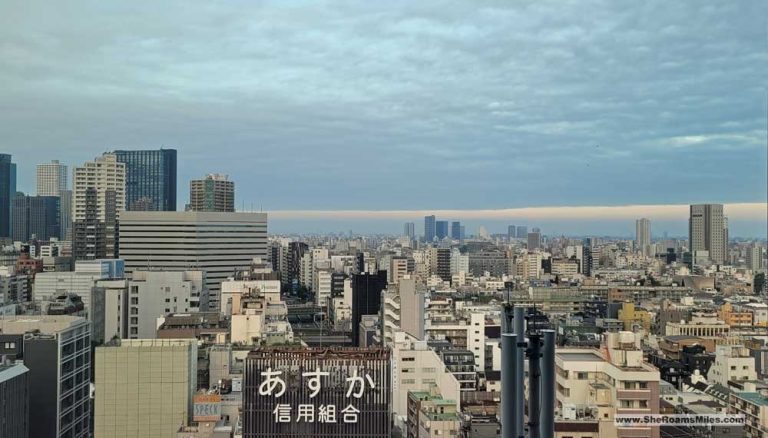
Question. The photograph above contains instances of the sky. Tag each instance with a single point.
(406, 106)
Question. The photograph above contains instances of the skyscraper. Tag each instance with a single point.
(522, 232)
(707, 231)
(643, 236)
(215, 192)
(456, 230)
(409, 230)
(441, 229)
(51, 178)
(511, 232)
(7, 193)
(150, 179)
(36, 216)
(99, 194)
(429, 228)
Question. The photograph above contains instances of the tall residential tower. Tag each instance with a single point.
(98, 197)
(213, 193)
(707, 231)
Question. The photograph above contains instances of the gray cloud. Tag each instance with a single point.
(402, 105)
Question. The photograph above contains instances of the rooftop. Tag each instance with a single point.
(586, 356)
(753, 397)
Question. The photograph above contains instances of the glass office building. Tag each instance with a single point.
(150, 179)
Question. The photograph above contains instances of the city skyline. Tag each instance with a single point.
(478, 108)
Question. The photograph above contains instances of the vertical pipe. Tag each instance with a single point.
(519, 372)
(506, 318)
(508, 347)
(534, 384)
(547, 422)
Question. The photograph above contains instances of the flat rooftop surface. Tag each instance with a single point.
(580, 357)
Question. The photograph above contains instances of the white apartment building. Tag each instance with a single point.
(732, 362)
(322, 287)
(459, 262)
(216, 243)
(465, 331)
(154, 294)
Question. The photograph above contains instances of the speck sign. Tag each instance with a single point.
(207, 407)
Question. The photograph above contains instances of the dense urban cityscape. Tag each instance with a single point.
(401, 219)
(124, 317)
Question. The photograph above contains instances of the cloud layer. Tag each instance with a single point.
(401, 105)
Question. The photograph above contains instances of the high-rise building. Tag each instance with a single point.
(429, 228)
(440, 263)
(754, 257)
(707, 231)
(643, 236)
(144, 387)
(441, 229)
(522, 232)
(7, 193)
(56, 349)
(36, 216)
(98, 197)
(317, 393)
(511, 232)
(51, 178)
(215, 192)
(150, 179)
(216, 243)
(534, 240)
(409, 230)
(366, 298)
(14, 392)
(456, 230)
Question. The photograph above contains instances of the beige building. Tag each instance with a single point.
(144, 388)
(595, 385)
(705, 325)
(416, 367)
(258, 319)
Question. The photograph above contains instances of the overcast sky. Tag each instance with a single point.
(411, 105)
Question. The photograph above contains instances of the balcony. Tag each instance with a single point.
(633, 394)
